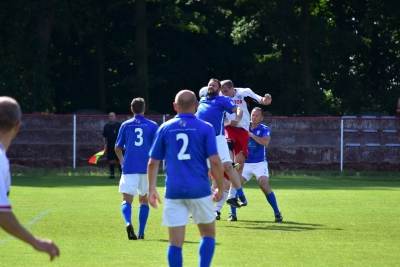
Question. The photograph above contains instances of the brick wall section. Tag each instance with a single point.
(297, 142)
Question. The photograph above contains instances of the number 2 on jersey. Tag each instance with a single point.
(182, 155)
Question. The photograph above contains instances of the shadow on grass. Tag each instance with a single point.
(319, 180)
(185, 242)
(287, 226)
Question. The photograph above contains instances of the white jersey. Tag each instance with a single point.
(5, 181)
(238, 99)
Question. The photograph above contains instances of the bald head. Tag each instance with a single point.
(10, 113)
(185, 102)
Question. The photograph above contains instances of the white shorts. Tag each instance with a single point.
(134, 184)
(223, 149)
(255, 169)
(177, 211)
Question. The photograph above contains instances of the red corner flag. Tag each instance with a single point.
(93, 159)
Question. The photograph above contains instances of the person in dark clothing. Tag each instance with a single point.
(110, 133)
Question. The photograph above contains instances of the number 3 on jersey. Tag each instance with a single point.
(182, 155)
(139, 136)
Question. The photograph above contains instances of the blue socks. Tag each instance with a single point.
(126, 210)
(233, 210)
(206, 251)
(272, 201)
(174, 256)
(240, 195)
(143, 215)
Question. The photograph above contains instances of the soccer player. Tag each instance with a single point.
(110, 132)
(237, 131)
(256, 163)
(135, 138)
(186, 143)
(212, 108)
(10, 122)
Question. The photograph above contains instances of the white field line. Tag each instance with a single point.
(28, 225)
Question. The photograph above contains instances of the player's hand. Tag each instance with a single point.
(154, 198)
(267, 99)
(47, 246)
(234, 122)
(217, 195)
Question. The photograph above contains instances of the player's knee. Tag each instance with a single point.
(143, 200)
(264, 184)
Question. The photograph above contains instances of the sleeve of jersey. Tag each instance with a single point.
(267, 132)
(5, 205)
(157, 150)
(120, 142)
(228, 104)
(211, 141)
(247, 92)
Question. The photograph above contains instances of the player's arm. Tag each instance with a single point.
(119, 145)
(217, 172)
(264, 100)
(152, 171)
(239, 115)
(118, 151)
(262, 140)
(10, 224)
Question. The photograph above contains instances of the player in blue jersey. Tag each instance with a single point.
(135, 138)
(212, 108)
(186, 143)
(256, 163)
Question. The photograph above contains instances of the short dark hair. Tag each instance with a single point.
(228, 83)
(215, 80)
(138, 105)
(10, 113)
(258, 109)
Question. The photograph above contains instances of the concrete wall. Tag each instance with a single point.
(297, 142)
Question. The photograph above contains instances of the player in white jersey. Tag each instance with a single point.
(10, 122)
(237, 131)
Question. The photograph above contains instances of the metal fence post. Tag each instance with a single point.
(74, 142)
(341, 145)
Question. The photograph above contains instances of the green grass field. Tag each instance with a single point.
(330, 220)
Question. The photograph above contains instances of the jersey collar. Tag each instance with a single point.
(185, 115)
(138, 116)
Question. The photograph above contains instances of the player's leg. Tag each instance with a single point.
(263, 182)
(128, 188)
(112, 161)
(144, 210)
(176, 238)
(220, 203)
(126, 210)
(246, 176)
(175, 217)
(207, 243)
(202, 214)
(236, 188)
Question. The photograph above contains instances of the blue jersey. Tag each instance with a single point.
(185, 143)
(136, 136)
(212, 110)
(257, 152)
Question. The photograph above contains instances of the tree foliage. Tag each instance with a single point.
(313, 56)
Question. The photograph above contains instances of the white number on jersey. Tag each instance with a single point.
(182, 152)
(139, 136)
